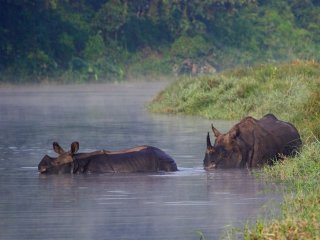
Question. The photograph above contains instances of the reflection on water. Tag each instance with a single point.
(113, 206)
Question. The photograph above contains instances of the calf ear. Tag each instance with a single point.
(57, 148)
(74, 147)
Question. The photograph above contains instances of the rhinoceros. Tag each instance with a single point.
(252, 143)
(138, 159)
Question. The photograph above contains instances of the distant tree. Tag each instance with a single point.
(110, 18)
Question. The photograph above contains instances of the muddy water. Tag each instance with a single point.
(114, 206)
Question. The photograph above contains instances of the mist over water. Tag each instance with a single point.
(113, 206)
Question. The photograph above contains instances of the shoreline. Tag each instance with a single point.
(292, 92)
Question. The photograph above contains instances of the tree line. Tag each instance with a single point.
(98, 40)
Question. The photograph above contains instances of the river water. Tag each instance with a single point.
(114, 206)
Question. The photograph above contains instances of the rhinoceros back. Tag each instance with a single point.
(142, 159)
(285, 135)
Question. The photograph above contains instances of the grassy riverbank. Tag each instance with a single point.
(300, 217)
(292, 92)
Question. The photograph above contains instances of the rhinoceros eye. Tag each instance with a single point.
(220, 150)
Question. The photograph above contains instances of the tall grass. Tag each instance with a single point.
(292, 92)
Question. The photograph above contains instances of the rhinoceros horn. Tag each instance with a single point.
(209, 145)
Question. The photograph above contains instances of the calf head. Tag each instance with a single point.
(61, 164)
(225, 153)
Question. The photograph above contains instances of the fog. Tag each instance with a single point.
(114, 206)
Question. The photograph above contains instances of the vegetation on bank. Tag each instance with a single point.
(292, 92)
(98, 40)
(300, 210)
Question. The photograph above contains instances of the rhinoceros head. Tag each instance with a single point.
(60, 164)
(225, 153)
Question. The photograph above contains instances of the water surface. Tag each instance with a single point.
(113, 206)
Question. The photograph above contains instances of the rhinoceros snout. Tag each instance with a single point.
(42, 169)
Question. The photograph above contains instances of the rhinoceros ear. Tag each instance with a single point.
(209, 145)
(57, 148)
(74, 147)
(215, 131)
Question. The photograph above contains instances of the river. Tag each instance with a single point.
(114, 206)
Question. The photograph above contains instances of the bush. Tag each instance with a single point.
(95, 48)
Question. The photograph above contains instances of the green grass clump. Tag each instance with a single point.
(291, 91)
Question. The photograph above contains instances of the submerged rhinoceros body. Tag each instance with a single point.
(252, 143)
(138, 159)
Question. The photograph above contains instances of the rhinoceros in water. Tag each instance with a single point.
(252, 143)
(137, 159)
